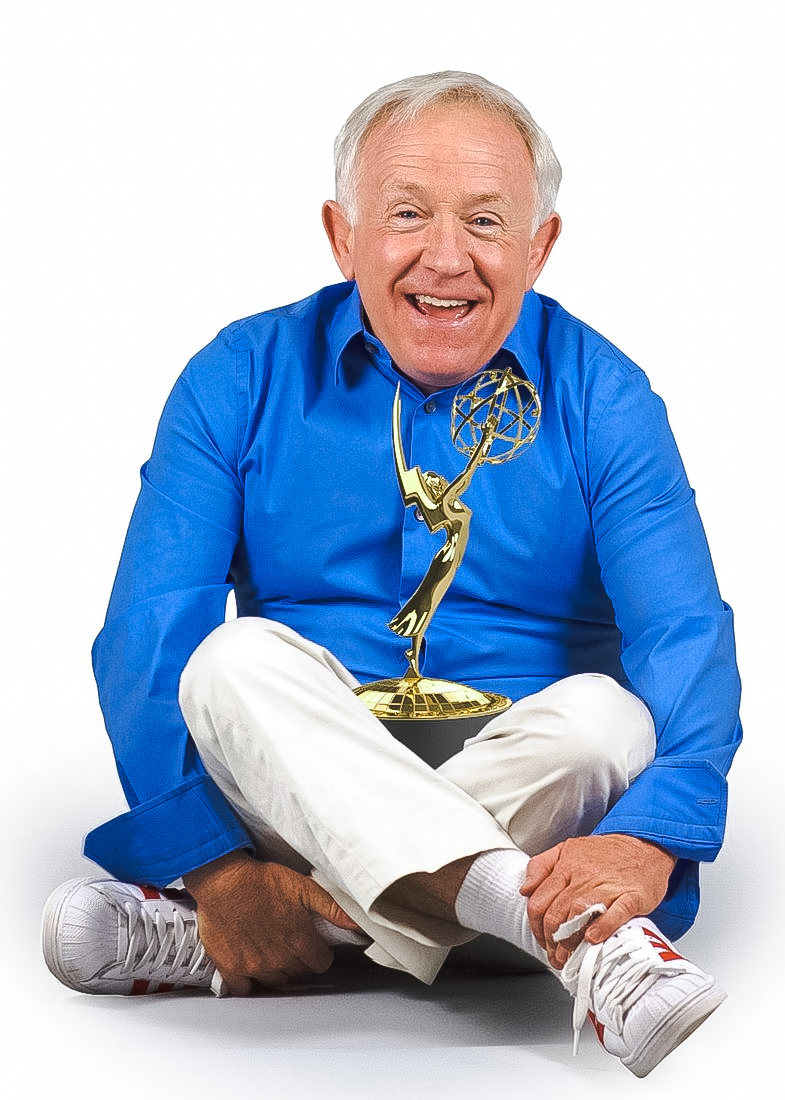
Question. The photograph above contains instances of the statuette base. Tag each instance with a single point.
(433, 718)
(419, 698)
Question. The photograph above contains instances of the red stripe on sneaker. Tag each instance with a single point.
(598, 1027)
(140, 986)
(149, 893)
(164, 987)
(663, 949)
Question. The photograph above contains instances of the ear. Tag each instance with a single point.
(540, 249)
(341, 237)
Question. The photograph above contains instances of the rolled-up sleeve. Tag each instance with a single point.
(170, 592)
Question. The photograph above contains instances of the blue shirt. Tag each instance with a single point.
(272, 472)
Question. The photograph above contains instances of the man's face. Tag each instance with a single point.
(442, 247)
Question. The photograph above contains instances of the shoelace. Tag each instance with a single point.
(166, 948)
(623, 971)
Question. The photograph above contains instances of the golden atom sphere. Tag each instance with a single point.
(511, 400)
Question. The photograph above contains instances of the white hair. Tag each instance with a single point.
(405, 100)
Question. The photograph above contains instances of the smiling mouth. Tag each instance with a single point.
(442, 308)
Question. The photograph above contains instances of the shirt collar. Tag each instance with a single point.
(524, 341)
(347, 327)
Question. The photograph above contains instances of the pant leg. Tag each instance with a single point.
(552, 765)
(316, 778)
(319, 782)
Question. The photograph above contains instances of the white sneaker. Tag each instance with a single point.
(642, 996)
(104, 936)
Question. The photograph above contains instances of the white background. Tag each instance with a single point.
(164, 164)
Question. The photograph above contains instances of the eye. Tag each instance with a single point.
(484, 221)
(406, 214)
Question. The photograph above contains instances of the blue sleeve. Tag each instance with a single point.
(677, 634)
(170, 592)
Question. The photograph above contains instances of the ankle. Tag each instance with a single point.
(432, 893)
(490, 900)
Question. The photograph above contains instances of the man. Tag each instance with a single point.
(572, 824)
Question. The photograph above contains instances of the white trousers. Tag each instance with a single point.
(322, 786)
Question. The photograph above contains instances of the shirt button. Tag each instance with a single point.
(418, 515)
(430, 406)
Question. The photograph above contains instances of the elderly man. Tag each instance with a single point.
(572, 824)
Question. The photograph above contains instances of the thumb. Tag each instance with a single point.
(538, 869)
(318, 901)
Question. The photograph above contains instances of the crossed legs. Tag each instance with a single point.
(352, 826)
(320, 784)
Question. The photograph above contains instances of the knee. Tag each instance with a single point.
(602, 725)
(583, 724)
(224, 651)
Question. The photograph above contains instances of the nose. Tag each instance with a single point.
(446, 250)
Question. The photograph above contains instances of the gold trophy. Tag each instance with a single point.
(496, 421)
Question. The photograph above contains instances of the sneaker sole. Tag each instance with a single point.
(49, 924)
(675, 1030)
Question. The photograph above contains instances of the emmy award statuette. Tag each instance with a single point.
(496, 421)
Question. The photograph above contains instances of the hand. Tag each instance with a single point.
(255, 921)
(628, 875)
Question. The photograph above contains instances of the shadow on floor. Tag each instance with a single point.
(359, 1004)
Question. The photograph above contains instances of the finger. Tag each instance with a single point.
(581, 915)
(564, 924)
(238, 985)
(562, 949)
(297, 966)
(540, 906)
(622, 910)
(313, 952)
(318, 901)
(559, 955)
(272, 979)
(538, 869)
(559, 913)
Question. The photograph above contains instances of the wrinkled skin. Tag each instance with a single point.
(255, 921)
(629, 876)
(442, 245)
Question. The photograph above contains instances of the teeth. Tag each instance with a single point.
(443, 302)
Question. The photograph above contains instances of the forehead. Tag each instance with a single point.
(466, 146)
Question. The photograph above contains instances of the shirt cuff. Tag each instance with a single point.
(159, 841)
(678, 803)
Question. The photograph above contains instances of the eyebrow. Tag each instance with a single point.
(415, 189)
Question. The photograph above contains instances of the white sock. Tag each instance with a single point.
(489, 899)
(334, 936)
